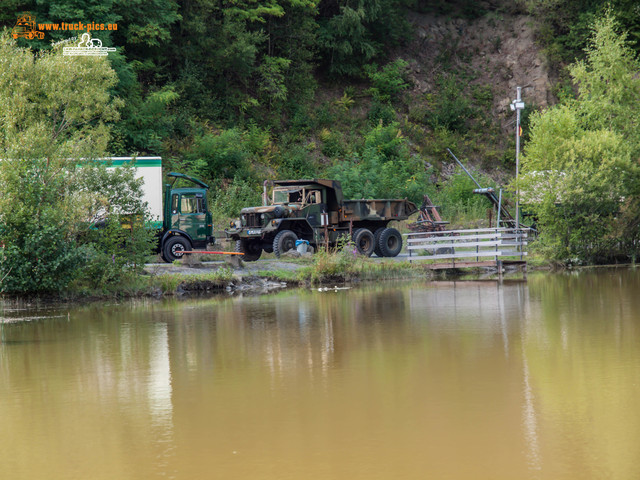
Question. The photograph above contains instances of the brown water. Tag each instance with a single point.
(449, 380)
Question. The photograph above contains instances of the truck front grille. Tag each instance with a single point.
(252, 219)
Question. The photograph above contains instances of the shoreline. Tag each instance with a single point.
(220, 279)
(187, 279)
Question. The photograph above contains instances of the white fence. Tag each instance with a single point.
(468, 244)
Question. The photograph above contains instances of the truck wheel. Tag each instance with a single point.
(376, 241)
(283, 242)
(174, 248)
(251, 249)
(390, 242)
(364, 240)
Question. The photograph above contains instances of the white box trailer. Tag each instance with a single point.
(150, 170)
(181, 215)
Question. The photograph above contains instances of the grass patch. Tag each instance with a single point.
(346, 265)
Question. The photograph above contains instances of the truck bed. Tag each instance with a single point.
(377, 209)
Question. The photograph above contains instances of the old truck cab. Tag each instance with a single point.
(187, 222)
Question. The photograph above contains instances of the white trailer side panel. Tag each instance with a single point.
(150, 170)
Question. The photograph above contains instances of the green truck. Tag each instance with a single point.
(180, 215)
(315, 211)
(187, 223)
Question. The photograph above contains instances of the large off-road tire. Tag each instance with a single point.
(283, 242)
(376, 241)
(252, 249)
(364, 240)
(390, 242)
(174, 248)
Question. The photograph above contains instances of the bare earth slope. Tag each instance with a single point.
(498, 49)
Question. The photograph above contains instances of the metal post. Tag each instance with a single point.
(499, 208)
(518, 105)
(519, 99)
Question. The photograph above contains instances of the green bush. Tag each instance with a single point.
(38, 258)
(228, 201)
(580, 172)
(296, 162)
(220, 155)
(332, 145)
(381, 113)
(116, 249)
(384, 168)
(450, 108)
(389, 82)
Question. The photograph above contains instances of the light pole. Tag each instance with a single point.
(517, 105)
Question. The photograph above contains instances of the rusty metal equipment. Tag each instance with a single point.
(429, 219)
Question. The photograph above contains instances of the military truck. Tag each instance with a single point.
(315, 211)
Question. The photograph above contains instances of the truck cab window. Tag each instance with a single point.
(315, 197)
(295, 197)
(280, 196)
(191, 204)
(174, 204)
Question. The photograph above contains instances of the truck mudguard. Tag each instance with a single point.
(175, 231)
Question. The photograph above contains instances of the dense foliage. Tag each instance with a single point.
(227, 90)
(236, 92)
(580, 174)
(52, 115)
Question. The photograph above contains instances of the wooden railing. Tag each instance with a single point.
(468, 244)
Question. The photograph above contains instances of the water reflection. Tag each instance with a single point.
(458, 380)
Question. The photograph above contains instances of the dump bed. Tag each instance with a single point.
(377, 209)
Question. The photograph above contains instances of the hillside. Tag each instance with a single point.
(371, 93)
(498, 51)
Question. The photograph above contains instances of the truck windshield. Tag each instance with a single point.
(287, 196)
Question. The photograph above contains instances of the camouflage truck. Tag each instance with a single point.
(315, 211)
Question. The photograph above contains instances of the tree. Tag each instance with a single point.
(579, 172)
(354, 32)
(54, 115)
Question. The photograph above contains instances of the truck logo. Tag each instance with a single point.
(26, 28)
(88, 46)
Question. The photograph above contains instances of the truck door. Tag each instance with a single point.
(188, 213)
(315, 207)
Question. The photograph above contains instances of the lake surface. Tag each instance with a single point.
(442, 380)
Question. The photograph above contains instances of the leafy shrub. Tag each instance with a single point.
(40, 259)
(296, 162)
(384, 168)
(381, 113)
(112, 251)
(220, 155)
(388, 82)
(228, 201)
(331, 144)
(449, 107)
